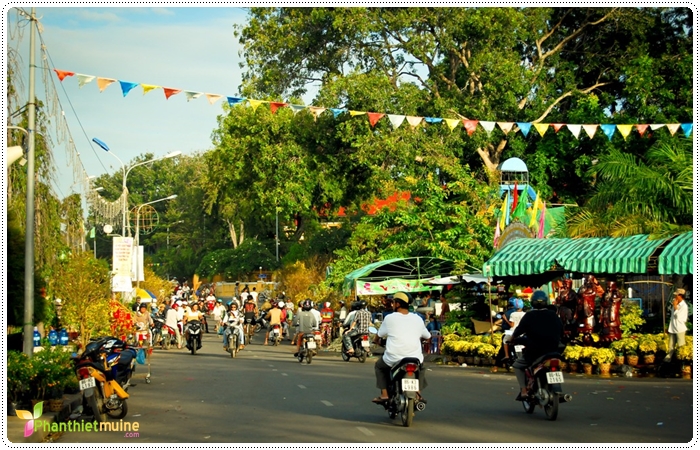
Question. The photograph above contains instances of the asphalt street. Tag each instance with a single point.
(266, 396)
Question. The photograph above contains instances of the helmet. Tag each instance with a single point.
(363, 304)
(356, 306)
(281, 305)
(403, 298)
(539, 299)
(327, 304)
(518, 303)
(306, 305)
(341, 303)
(218, 300)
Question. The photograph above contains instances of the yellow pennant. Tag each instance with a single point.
(255, 103)
(673, 127)
(148, 87)
(357, 113)
(452, 123)
(625, 130)
(541, 128)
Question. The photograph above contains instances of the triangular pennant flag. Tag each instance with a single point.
(608, 129)
(127, 86)
(624, 130)
(575, 129)
(540, 232)
(506, 126)
(557, 127)
(148, 87)
(191, 95)
(414, 121)
(535, 208)
(63, 73)
(297, 108)
(169, 92)
(515, 197)
(641, 129)
(687, 128)
(213, 98)
(541, 128)
(235, 100)
(673, 127)
(357, 113)
(452, 123)
(84, 79)
(524, 127)
(337, 111)
(504, 211)
(656, 126)
(470, 126)
(434, 120)
(102, 83)
(488, 126)
(274, 106)
(316, 111)
(395, 120)
(374, 117)
(255, 103)
(496, 234)
(590, 129)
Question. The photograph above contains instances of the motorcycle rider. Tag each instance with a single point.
(305, 322)
(193, 314)
(171, 321)
(326, 322)
(543, 331)
(274, 315)
(403, 333)
(144, 322)
(233, 321)
(361, 321)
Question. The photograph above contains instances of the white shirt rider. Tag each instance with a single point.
(402, 331)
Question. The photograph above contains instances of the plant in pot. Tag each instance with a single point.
(647, 347)
(684, 354)
(603, 358)
(572, 355)
(587, 359)
(487, 352)
(20, 372)
(631, 347)
(448, 350)
(618, 347)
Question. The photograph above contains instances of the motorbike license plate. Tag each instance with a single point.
(519, 348)
(555, 377)
(409, 384)
(310, 344)
(87, 383)
(276, 330)
(365, 344)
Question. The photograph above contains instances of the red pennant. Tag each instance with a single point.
(515, 197)
(169, 92)
(557, 126)
(641, 129)
(470, 126)
(275, 105)
(374, 118)
(63, 73)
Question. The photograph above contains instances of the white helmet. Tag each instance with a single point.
(281, 304)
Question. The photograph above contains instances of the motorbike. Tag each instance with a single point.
(544, 380)
(168, 337)
(360, 345)
(275, 334)
(232, 343)
(104, 373)
(307, 350)
(156, 330)
(194, 339)
(260, 322)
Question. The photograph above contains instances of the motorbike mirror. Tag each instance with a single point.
(372, 330)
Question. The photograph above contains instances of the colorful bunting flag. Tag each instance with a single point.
(316, 111)
(687, 129)
(521, 207)
(337, 111)
(297, 108)
(357, 113)
(433, 120)
(191, 95)
(541, 128)
(452, 123)
(63, 73)
(656, 126)
(506, 126)
(504, 211)
(575, 129)
(557, 127)
(590, 130)
(673, 127)
(84, 79)
(274, 106)
(255, 103)
(608, 130)
(535, 207)
(515, 197)
(414, 121)
(395, 120)
(470, 126)
(624, 130)
(524, 127)
(102, 83)
(374, 117)
(641, 129)
(148, 87)
(213, 98)
(169, 92)
(127, 86)
(540, 232)
(496, 235)
(488, 125)
(233, 101)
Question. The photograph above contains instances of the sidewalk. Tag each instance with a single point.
(15, 425)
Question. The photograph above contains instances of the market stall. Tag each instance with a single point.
(397, 274)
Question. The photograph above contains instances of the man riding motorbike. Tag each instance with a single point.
(233, 321)
(191, 315)
(274, 315)
(305, 323)
(403, 332)
(361, 321)
(543, 331)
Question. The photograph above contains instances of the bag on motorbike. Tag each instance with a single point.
(141, 356)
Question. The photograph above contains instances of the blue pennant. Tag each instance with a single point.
(524, 127)
(432, 119)
(609, 130)
(235, 100)
(337, 111)
(687, 128)
(127, 86)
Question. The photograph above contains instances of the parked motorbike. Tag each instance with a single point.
(307, 350)
(544, 380)
(275, 334)
(360, 345)
(194, 339)
(104, 373)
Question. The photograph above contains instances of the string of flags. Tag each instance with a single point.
(396, 120)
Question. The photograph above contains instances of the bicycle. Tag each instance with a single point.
(249, 330)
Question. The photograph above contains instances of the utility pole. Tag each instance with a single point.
(28, 328)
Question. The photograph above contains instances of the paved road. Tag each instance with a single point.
(266, 396)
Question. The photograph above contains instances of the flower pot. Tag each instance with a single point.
(563, 365)
(604, 369)
(56, 404)
(686, 371)
(477, 361)
(619, 360)
(649, 359)
(588, 368)
(632, 360)
(461, 359)
(469, 360)
(573, 367)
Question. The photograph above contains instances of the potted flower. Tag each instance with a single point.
(618, 347)
(631, 346)
(572, 355)
(587, 359)
(487, 352)
(603, 357)
(684, 353)
(20, 372)
(647, 347)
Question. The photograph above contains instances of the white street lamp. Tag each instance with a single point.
(138, 214)
(125, 172)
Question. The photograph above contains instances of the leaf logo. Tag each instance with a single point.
(26, 415)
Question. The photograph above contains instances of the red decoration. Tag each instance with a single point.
(63, 73)
(470, 126)
(169, 92)
(374, 117)
(275, 105)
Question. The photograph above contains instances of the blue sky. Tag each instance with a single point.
(185, 48)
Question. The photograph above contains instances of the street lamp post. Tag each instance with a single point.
(125, 173)
(167, 239)
(138, 214)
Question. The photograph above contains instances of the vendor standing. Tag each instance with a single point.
(677, 326)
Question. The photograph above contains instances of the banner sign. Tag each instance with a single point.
(121, 263)
(392, 285)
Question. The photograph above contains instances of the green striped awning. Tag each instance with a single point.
(585, 255)
(677, 257)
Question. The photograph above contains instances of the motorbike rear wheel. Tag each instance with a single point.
(232, 347)
(362, 356)
(165, 342)
(118, 413)
(345, 356)
(96, 403)
(551, 409)
(301, 356)
(309, 355)
(408, 413)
